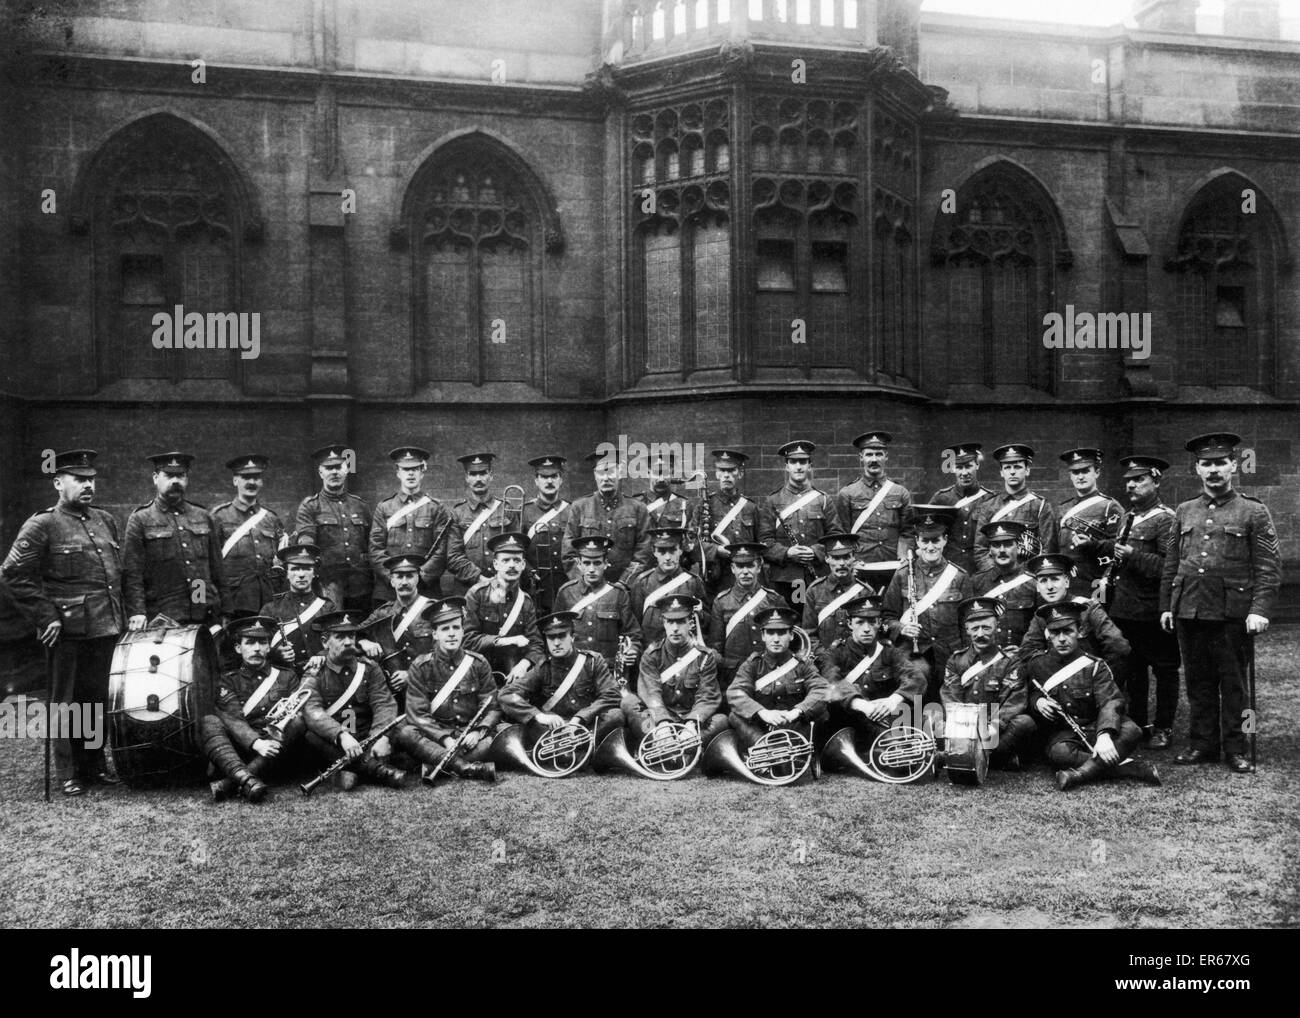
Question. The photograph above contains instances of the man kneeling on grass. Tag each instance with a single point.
(445, 689)
(1088, 735)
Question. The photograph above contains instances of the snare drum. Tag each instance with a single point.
(966, 757)
(160, 685)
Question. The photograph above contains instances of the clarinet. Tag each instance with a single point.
(343, 761)
(704, 525)
(911, 596)
(1073, 725)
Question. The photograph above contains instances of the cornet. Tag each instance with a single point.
(285, 710)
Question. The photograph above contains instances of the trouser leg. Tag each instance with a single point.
(1205, 651)
(218, 748)
(1014, 738)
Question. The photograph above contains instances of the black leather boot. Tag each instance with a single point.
(251, 787)
(1081, 775)
(474, 771)
(1138, 770)
(381, 774)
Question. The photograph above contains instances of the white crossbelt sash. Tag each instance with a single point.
(411, 614)
(241, 531)
(729, 519)
(546, 518)
(679, 666)
(513, 617)
(656, 505)
(567, 684)
(775, 674)
(293, 625)
(962, 503)
(968, 676)
(1011, 507)
(1155, 510)
(406, 510)
(872, 506)
(1087, 503)
(260, 692)
(591, 599)
(450, 685)
(1077, 665)
(744, 611)
(937, 591)
(798, 503)
(348, 693)
(861, 667)
(666, 588)
(480, 519)
(838, 603)
(1008, 585)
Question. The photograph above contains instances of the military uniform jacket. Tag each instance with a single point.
(1223, 561)
(66, 566)
(475, 542)
(172, 564)
(801, 688)
(692, 691)
(603, 620)
(414, 534)
(1135, 582)
(415, 640)
(1090, 695)
(1102, 512)
(1097, 634)
(372, 702)
(291, 611)
(997, 686)
(250, 573)
(745, 637)
(624, 519)
(816, 517)
(483, 621)
(593, 691)
(1019, 600)
(961, 535)
(234, 691)
(824, 617)
(1033, 511)
(427, 677)
(546, 539)
(669, 510)
(939, 621)
(882, 677)
(340, 529)
(644, 587)
(742, 529)
(878, 534)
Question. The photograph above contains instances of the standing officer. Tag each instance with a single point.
(1218, 589)
(545, 518)
(64, 573)
(248, 534)
(725, 517)
(1007, 581)
(609, 512)
(873, 508)
(1135, 578)
(604, 619)
(963, 495)
(792, 522)
(295, 609)
(1016, 502)
(733, 626)
(172, 562)
(775, 689)
(479, 515)
(1086, 521)
(338, 523)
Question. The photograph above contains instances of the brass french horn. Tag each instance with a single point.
(557, 752)
(781, 757)
(897, 756)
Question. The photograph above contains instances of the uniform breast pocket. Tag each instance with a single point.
(201, 533)
(266, 532)
(1235, 543)
(159, 544)
(606, 626)
(66, 561)
(625, 536)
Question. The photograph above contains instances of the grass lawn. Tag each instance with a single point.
(1208, 849)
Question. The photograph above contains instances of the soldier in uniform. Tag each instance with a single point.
(410, 522)
(1067, 682)
(238, 739)
(447, 688)
(873, 508)
(1016, 502)
(1135, 579)
(725, 517)
(479, 516)
(924, 625)
(395, 633)
(338, 523)
(172, 562)
(872, 687)
(296, 640)
(667, 577)
(64, 573)
(792, 520)
(986, 674)
(824, 616)
(1217, 591)
(733, 629)
(1099, 634)
(248, 535)
(605, 621)
(500, 619)
(1087, 521)
(1007, 581)
(677, 682)
(570, 685)
(775, 689)
(609, 512)
(545, 518)
(345, 681)
(964, 495)
(665, 507)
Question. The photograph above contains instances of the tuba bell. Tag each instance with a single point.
(780, 757)
(557, 752)
(897, 756)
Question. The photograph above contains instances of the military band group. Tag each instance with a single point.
(405, 640)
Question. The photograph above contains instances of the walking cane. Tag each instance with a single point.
(49, 695)
(1250, 677)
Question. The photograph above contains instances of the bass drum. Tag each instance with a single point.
(966, 758)
(161, 683)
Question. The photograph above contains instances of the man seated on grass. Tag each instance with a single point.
(1067, 684)
(236, 737)
(1098, 633)
(445, 689)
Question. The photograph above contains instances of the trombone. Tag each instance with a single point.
(509, 516)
